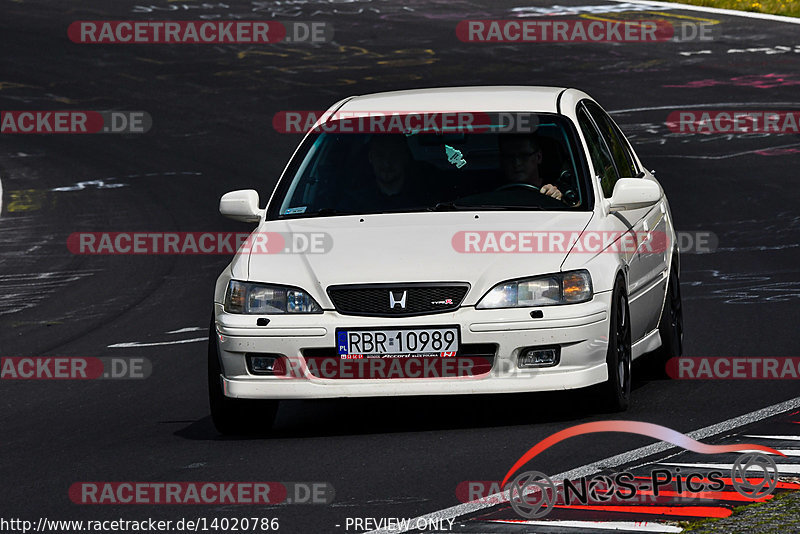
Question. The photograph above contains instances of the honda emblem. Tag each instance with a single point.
(394, 302)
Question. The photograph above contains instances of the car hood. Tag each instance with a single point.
(419, 247)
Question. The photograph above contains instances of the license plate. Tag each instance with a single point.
(403, 342)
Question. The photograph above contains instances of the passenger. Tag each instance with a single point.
(394, 175)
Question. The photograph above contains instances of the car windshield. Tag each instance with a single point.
(340, 173)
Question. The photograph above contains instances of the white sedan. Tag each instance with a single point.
(447, 241)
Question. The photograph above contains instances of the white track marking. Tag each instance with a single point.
(613, 461)
(188, 329)
(783, 469)
(718, 11)
(134, 344)
(96, 184)
(635, 526)
(26, 290)
(726, 156)
(787, 438)
(785, 452)
(713, 105)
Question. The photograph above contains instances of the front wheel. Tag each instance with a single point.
(234, 416)
(616, 391)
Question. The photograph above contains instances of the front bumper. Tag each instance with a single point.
(580, 330)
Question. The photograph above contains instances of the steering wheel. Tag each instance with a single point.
(510, 186)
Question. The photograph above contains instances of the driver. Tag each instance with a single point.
(520, 157)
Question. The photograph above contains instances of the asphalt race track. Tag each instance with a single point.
(212, 108)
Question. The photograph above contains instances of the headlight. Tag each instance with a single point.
(560, 288)
(245, 297)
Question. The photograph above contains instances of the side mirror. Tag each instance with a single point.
(241, 205)
(634, 193)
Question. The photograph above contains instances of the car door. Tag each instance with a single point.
(647, 283)
(611, 164)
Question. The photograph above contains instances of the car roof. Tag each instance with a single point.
(460, 99)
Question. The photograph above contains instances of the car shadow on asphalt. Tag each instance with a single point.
(359, 416)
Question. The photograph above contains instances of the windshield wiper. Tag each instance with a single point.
(445, 206)
(509, 208)
(323, 212)
(452, 206)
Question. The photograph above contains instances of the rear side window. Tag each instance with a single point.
(598, 151)
(616, 142)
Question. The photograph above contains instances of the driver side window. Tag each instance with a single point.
(601, 157)
(614, 140)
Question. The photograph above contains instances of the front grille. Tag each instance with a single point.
(377, 299)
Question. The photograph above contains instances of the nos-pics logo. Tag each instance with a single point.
(533, 494)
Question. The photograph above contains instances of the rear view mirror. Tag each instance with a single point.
(241, 205)
(634, 193)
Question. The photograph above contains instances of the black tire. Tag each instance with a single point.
(670, 327)
(235, 416)
(615, 393)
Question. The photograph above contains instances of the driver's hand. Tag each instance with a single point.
(551, 191)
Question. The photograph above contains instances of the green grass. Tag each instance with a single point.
(789, 8)
(752, 511)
